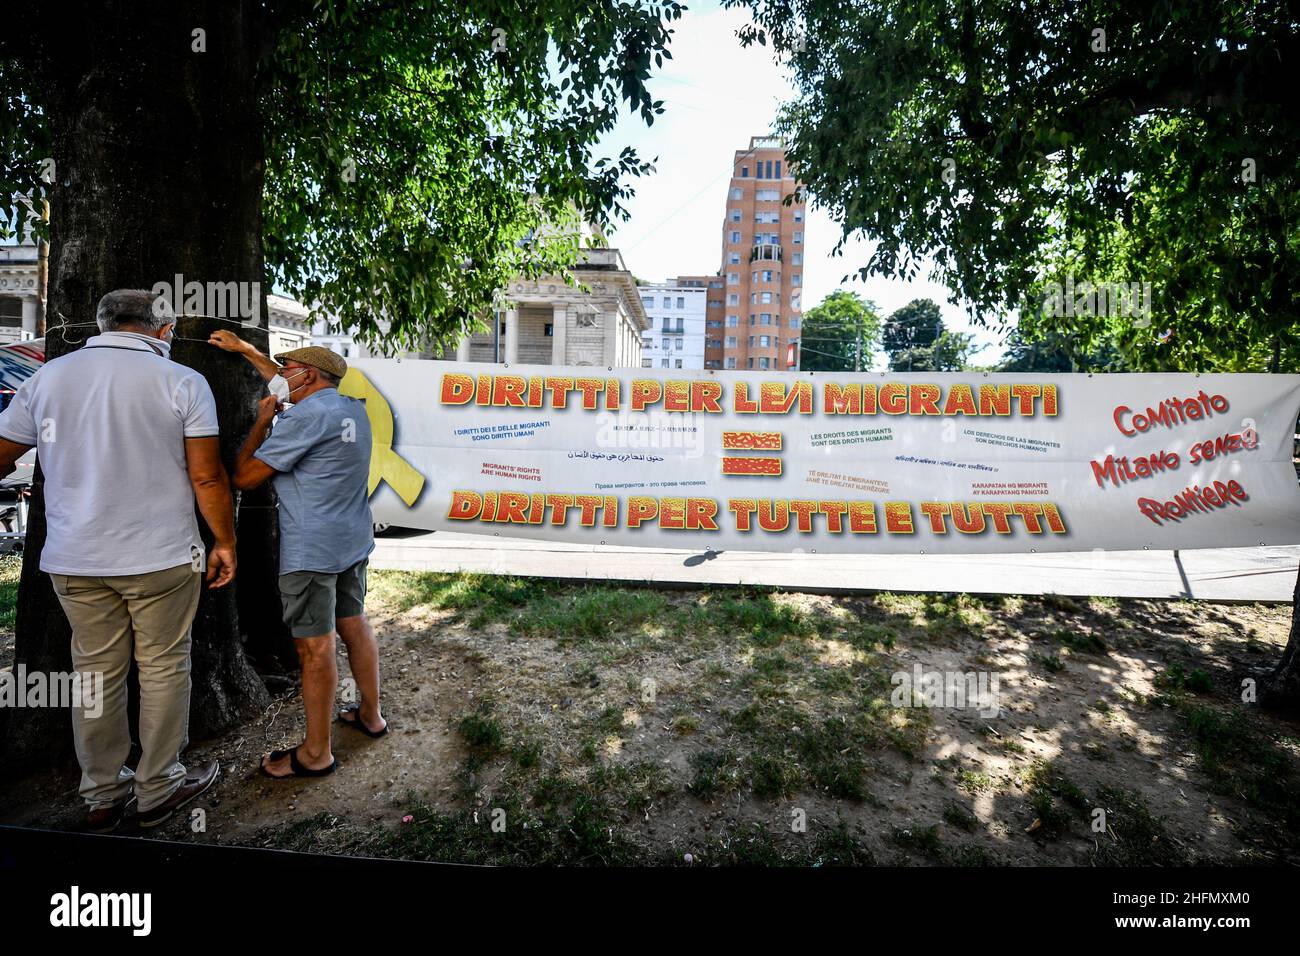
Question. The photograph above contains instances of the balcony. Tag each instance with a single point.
(766, 253)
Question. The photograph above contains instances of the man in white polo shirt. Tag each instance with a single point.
(127, 440)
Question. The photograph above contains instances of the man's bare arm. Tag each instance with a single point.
(230, 342)
(10, 452)
(249, 471)
(212, 492)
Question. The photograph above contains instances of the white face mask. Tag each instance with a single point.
(279, 385)
(279, 388)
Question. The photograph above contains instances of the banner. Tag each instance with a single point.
(826, 462)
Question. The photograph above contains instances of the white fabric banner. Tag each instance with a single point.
(823, 462)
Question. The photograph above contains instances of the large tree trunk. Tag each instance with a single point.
(1280, 690)
(158, 164)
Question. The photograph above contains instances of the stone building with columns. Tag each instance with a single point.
(550, 322)
(20, 304)
(547, 321)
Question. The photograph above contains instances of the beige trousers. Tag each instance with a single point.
(148, 617)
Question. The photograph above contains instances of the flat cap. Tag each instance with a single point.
(317, 357)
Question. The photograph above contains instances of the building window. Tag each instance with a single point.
(733, 278)
(663, 363)
(679, 344)
(778, 169)
(646, 363)
(681, 302)
(731, 362)
(794, 322)
(744, 172)
(766, 298)
(794, 279)
(733, 321)
(796, 259)
(749, 363)
(735, 236)
(731, 341)
(735, 215)
(734, 259)
(764, 341)
(11, 312)
(736, 192)
(766, 318)
(751, 341)
(733, 299)
(762, 363)
(798, 238)
(550, 329)
(798, 215)
(648, 301)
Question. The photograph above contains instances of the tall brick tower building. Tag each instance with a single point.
(754, 305)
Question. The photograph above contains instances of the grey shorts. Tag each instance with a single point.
(314, 600)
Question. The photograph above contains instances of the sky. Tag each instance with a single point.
(677, 213)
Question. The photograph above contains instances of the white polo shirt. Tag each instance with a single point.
(109, 424)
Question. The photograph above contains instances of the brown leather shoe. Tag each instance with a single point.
(106, 819)
(196, 783)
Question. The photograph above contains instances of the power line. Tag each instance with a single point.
(672, 215)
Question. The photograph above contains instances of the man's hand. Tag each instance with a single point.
(221, 565)
(229, 342)
(267, 409)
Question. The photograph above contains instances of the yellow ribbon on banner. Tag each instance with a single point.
(385, 464)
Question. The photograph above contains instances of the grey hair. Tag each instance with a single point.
(139, 308)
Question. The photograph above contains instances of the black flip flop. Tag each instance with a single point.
(298, 770)
(358, 725)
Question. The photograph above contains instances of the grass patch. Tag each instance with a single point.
(1136, 837)
(750, 612)
(483, 736)
(1175, 679)
(11, 569)
(1243, 762)
(479, 599)
(715, 772)
(589, 613)
(1047, 785)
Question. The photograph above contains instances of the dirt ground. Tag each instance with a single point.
(547, 722)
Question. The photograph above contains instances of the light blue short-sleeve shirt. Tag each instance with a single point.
(320, 448)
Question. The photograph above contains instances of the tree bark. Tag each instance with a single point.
(1280, 690)
(158, 173)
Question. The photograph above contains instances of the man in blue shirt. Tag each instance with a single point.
(318, 457)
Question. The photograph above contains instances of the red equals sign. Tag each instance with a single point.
(751, 464)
